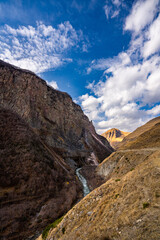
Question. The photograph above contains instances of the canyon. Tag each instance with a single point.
(127, 205)
(60, 180)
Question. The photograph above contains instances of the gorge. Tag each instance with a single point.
(59, 177)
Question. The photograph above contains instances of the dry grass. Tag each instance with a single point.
(134, 136)
(116, 210)
(148, 139)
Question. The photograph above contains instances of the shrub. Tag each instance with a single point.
(145, 205)
(117, 195)
(63, 230)
(117, 180)
(52, 225)
(132, 169)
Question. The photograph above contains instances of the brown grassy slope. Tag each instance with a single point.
(123, 208)
(115, 136)
(135, 134)
(127, 206)
(148, 139)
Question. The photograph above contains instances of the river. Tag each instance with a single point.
(86, 189)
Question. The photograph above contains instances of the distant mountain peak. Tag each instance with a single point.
(115, 136)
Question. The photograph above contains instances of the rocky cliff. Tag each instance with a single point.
(127, 205)
(115, 136)
(51, 114)
(33, 180)
(44, 137)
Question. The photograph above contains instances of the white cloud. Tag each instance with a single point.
(115, 14)
(101, 64)
(131, 80)
(116, 2)
(152, 45)
(90, 106)
(107, 11)
(125, 91)
(112, 8)
(53, 84)
(141, 15)
(38, 48)
(154, 111)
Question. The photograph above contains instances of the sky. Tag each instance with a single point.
(104, 53)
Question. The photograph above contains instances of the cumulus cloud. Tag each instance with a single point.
(38, 48)
(142, 14)
(90, 105)
(131, 80)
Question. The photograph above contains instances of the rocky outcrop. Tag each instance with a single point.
(44, 137)
(52, 114)
(115, 136)
(127, 205)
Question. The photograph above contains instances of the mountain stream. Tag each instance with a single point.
(83, 181)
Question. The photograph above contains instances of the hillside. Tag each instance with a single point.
(143, 136)
(127, 205)
(115, 136)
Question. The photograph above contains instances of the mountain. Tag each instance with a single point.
(44, 137)
(33, 179)
(146, 135)
(52, 115)
(115, 136)
(127, 205)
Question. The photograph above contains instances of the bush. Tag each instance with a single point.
(52, 225)
(117, 180)
(145, 205)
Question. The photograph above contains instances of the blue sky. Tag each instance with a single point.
(104, 53)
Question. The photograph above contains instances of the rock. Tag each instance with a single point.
(44, 137)
(52, 114)
(33, 180)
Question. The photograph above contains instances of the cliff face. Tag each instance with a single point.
(52, 114)
(36, 186)
(115, 136)
(44, 137)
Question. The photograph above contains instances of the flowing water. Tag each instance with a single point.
(83, 181)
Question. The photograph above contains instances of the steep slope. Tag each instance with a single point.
(122, 208)
(115, 136)
(52, 114)
(134, 136)
(127, 205)
(33, 180)
(44, 137)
